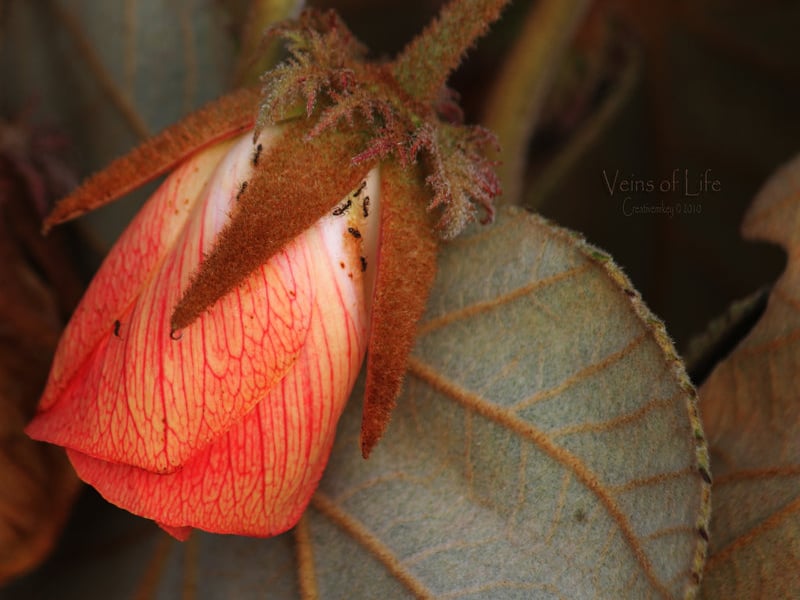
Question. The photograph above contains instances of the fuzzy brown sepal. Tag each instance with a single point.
(406, 270)
(461, 176)
(323, 54)
(328, 72)
(221, 119)
(425, 63)
(296, 182)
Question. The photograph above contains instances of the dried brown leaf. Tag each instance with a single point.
(36, 482)
(751, 414)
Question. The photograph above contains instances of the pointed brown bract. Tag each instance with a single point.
(426, 62)
(406, 270)
(218, 120)
(295, 183)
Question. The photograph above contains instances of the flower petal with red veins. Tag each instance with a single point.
(137, 254)
(122, 389)
(258, 477)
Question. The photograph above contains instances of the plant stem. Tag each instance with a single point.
(535, 196)
(256, 56)
(516, 98)
(425, 63)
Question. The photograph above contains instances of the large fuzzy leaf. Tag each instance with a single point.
(546, 445)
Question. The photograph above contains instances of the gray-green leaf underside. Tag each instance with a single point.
(546, 445)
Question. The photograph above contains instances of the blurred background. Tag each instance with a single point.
(680, 90)
(625, 97)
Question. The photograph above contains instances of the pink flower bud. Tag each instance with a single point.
(225, 426)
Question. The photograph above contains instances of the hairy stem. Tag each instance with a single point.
(424, 64)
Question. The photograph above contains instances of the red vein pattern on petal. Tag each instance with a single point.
(257, 478)
(139, 251)
(141, 397)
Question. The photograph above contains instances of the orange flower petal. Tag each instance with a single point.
(121, 388)
(257, 478)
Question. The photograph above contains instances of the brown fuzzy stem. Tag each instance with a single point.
(424, 64)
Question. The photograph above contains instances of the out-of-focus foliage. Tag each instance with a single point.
(567, 461)
(38, 288)
(695, 93)
(751, 410)
(108, 74)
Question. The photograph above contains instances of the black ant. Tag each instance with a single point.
(257, 154)
(705, 475)
(241, 190)
(354, 232)
(342, 209)
(117, 325)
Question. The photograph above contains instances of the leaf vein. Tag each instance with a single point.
(540, 439)
(618, 421)
(103, 78)
(487, 305)
(154, 570)
(757, 474)
(658, 479)
(371, 543)
(776, 343)
(304, 551)
(580, 375)
(674, 530)
(728, 552)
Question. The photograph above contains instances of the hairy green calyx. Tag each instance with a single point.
(328, 73)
